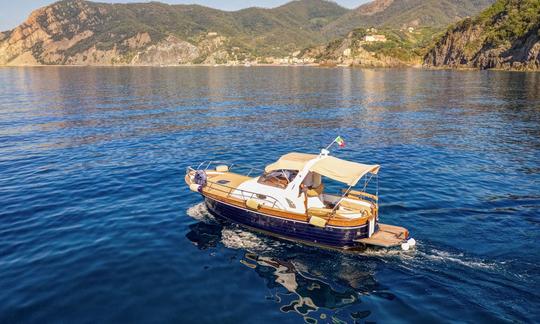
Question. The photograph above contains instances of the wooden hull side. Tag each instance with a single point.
(337, 237)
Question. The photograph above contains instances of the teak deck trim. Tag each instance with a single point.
(386, 236)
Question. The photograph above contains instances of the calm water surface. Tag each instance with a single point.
(97, 226)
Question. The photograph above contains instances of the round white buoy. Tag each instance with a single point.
(412, 242)
(405, 246)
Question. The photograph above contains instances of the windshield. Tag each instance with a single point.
(278, 178)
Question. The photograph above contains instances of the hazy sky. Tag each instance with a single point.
(12, 13)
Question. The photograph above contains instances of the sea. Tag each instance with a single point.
(98, 226)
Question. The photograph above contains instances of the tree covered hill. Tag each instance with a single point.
(399, 14)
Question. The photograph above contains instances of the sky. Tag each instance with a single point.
(13, 13)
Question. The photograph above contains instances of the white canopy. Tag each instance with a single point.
(291, 161)
(343, 171)
(340, 170)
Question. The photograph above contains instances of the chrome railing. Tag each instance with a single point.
(232, 166)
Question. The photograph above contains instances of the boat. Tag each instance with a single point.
(288, 200)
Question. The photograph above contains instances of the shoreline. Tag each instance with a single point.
(314, 65)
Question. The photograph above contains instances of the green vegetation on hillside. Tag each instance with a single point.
(404, 45)
(415, 13)
(272, 31)
(508, 20)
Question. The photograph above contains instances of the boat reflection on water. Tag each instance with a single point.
(204, 235)
(319, 285)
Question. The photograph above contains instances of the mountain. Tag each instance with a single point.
(504, 36)
(89, 33)
(405, 13)
(81, 32)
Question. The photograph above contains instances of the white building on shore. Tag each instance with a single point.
(374, 38)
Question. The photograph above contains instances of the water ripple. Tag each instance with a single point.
(96, 224)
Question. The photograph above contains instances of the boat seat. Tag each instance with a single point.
(355, 206)
(319, 212)
(314, 192)
(350, 214)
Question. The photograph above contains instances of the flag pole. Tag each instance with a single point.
(331, 143)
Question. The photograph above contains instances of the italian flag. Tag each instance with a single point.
(340, 141)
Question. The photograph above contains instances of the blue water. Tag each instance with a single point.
(96, 224)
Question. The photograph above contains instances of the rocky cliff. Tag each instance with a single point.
(505, 36)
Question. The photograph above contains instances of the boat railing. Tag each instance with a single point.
(238, 168)
(235, 192)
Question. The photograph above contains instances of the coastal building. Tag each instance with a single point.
(374, 38)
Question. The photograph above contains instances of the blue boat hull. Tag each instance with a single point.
(337, 237)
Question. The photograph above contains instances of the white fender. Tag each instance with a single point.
(253, 204)
(222, 168)
(405, 246)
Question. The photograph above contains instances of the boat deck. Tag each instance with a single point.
(386, 236)
(222, 183)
